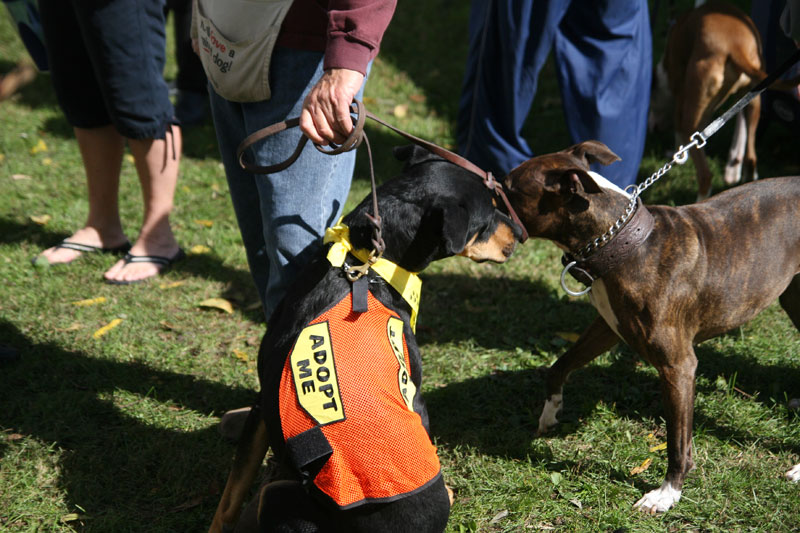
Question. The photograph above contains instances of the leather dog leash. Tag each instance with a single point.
(354, 140)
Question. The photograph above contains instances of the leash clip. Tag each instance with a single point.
(354, 273)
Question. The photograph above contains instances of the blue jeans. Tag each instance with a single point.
(282, 216)
(603, 59)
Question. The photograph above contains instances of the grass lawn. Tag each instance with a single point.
(115, 429)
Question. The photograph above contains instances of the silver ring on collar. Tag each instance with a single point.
(564, 281)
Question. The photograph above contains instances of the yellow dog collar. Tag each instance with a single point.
(406, 283)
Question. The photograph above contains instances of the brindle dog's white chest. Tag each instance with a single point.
(599, 298)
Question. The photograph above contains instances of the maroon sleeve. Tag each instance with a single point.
(355, 30)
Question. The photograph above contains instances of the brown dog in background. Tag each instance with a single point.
(713, 52)
(20, 76)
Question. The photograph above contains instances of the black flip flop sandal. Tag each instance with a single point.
(88, 249)
(164, 262)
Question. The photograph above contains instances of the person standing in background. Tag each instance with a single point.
(272, 60)
(106, 62)
(603, 61)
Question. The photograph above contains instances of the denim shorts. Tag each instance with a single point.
(106, 64)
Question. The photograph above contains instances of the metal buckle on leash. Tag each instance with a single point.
(564, 281)
(354, 273)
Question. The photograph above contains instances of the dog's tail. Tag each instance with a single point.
(757, 74)
(251, 450)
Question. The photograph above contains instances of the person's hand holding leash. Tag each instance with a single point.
(326, 109)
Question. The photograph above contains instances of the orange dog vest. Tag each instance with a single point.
(346, 403)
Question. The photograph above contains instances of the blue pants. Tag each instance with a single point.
(282, 216)
(603, 58)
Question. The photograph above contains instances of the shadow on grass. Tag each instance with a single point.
(498, 413)
(207, 266)
(127, 474)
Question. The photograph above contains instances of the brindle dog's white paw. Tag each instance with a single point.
(793, 475)
(549, 417)
(659, 500)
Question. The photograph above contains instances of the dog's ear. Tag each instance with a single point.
(455, 226)
(571, 181)
(413, 154)
(593, 152)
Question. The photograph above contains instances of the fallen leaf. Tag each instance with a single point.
(42, 220)
(499, 516)
(2, 157)
(199, 249)
(18, 177)
(657, 447)
(642, 467)
(577, 503)
(215, 187)
(71, 517)
(91, 301)
(172, 284)
(108, 327)
(241, 356)
(418, 98)
(204, 222)
(15, 436)
(400, 110)
(568, 336)
(249, 371)
(218, 303)
(252, 306)
(47, 161)
(194, 502)
(40, 147)
(129, 158)
(168, 325)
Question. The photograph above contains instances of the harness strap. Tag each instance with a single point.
(408, 284)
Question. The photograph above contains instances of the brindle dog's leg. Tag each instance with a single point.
(790, 301)
(250, 453)
(677, 391)
(596, 340)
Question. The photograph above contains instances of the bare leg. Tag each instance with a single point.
(101, 150)
(157, 165)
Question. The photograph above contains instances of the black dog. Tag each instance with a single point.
(314, 398)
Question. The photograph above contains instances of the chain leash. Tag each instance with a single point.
(679, 157)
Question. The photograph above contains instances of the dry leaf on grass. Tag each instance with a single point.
(199, 249)
(108, 327)
(90, 301)
(172, 284)
(40, 147)
(217, 303)
(642, 467)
